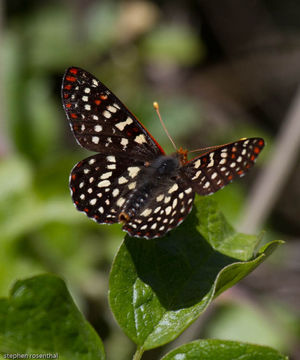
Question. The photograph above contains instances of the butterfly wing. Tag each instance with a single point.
(166, 209)
(213, 170)
(100, 185)
(99, 120)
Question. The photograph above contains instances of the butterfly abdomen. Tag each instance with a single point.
(149, 182)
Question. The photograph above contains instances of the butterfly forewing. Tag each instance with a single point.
(100, 122)
(212, 171)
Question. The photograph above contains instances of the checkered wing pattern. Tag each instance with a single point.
(106, 186)
(100, 122)
(131, 180)
(211, 171)
(166, 209)
(100, 185)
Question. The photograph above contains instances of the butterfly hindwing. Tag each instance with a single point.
(99, 120)
(211, 171)
(107, 186)
(100, 185)
(166, 209)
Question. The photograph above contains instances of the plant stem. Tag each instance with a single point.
(138, 354)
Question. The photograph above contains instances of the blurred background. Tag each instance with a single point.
(220, 71)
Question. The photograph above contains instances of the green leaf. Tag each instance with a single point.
(159, 287)
(41, 317)
(225, 350)
(213, 226)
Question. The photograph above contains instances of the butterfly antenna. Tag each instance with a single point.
(204, 149)
(210, 147)
(156, 107)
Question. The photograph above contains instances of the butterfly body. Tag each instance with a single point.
(131, 180)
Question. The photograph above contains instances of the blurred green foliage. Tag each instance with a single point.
(40, 229)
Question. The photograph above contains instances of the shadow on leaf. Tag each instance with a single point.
(180, 268)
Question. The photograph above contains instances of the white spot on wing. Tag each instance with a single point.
(132, 185)
(98, 128)
(120, 201)
(173, 188)
(106, 114)
(115, 192)
(121, 125)
(133, 171)
(111, 109)
(146, 212)
(111, 158)
(197, 163)
(109, 140)
(104, 183)
(211, 156)
(168, 210)
(197, 175)
(160, 197)
(95, 139)
(106, 175)
(122, 180)
(167, 199)
(140, 139)
(206, 185)
(174, 203)
(124, 143)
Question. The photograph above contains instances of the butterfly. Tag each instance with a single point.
(130, 179)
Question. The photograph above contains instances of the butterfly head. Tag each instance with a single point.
(182, 156)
